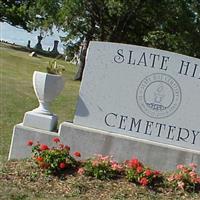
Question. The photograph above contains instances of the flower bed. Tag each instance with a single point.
(58, 159)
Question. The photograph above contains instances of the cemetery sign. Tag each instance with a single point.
(141, 92)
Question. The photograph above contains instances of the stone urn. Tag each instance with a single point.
(47, 87)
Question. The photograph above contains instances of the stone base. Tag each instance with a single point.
(40, 121)
(91, 141)
(22, 134)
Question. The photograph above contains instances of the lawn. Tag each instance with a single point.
(21, 180)
(17, 95)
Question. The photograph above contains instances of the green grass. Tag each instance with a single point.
(17, 95)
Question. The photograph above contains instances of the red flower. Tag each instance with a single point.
(156, 172)
(30, 143)
(144, 181)
(67, 147)
(40, 159)
(139, 169)
(56, 140)
(43, 147)
(77, 154)
(134, 163)
(61, 146)
(148, 172)
(62, 165)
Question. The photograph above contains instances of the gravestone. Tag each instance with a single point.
(29, 44)
(55, 48)
(141, 92)
(38, 46)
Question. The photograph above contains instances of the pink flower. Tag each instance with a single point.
(56, 140)
(192, 174)
(193, 165)
(30, 143)
(117, 167)
(180, 166)
(95, 163)
(171, 178)
(77, 154)
(43, 147)
(144, 181)
(181, 185)
(197, 180)
(185, 170)
(81, 171)
(178, 176)
(104, 158)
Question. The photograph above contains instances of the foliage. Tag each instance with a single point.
(54, 68)
(167, 24)
(140, 174)
(185, 178)
(15, 13)
(172, 25)
(101, 167)
(53, 160)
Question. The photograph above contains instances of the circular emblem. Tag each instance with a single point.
(158, 95)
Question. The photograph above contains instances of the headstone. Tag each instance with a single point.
(141, 92)
(33, 54)
(29, 44)
(38, 46)
(55, 47)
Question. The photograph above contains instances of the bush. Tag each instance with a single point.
(58, 159)
(101, 167)
(53, 160)
(184, 178)
(136, 172)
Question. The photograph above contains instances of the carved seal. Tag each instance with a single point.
(158, 95)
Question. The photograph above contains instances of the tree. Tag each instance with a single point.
(166, 24)
(15, 13)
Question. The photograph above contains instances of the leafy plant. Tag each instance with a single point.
(54, 68)
(184, 178)
(101, 167)
(53, 160)
(136, 172)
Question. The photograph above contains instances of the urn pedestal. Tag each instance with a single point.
(47, 87)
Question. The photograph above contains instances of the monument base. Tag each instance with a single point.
(40, 121)
(21, 135)
(91, 141)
